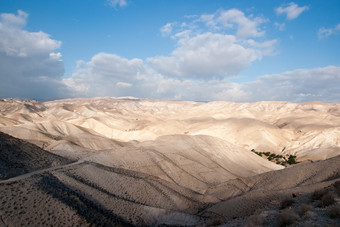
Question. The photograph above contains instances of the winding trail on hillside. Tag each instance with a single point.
(40, 171)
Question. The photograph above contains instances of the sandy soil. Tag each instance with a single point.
(103, 123)
(124, 161)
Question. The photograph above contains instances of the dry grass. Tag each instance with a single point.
(288, 202)
(317, 195)
(304, 208)
(255, 220)
(334, 211)
(216, 221)
(327, 199)
(287, 217)
(337, 187)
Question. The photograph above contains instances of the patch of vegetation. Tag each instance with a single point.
(316, 195)
(286, 203)
(287, 217)
(291, 159)
(327, 200)
(278, 159)
(304, 208)
(337, 187)
(255, 220)
(334, 211)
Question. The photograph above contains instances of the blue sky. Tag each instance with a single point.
(241, 51)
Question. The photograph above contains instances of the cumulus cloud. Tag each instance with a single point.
(280, 26)
(234, 19)
(167, 29)
(106, 74)
(123, 84)
(9, 19)
(115, 3)
(29, 65)
(199, 68)
(99, 78)
(325, 32)
(213, 45)
(209, 49)
(208, 55)
(299, 85)
(292, 10)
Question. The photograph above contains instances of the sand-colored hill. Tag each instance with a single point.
(18, 157)
(309, 130)
(114, 188)
(193, 162)
(150, 162)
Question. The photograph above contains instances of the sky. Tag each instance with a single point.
(199, 50)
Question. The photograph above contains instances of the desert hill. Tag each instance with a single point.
(97, 192)
(18, 157)
(308, 130)
(130, 161)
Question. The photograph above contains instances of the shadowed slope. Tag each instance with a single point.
(118, 191)
(18, 157)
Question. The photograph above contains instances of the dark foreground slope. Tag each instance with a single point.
(87, 193)
(19, 157)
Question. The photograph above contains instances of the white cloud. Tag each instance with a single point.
(209, 55)
(17, 42)
(201, 54)
(111, 75)
(115, 3)
(337, 27)
(302, 85)
(234, 19)
(325, 32)
(292, 11)
(280, 26)
(106, 74)
(213, 45)
(167, 29)
(123, 84)
(29, 65)
(9, 19)
(322, 84)
(246, 27)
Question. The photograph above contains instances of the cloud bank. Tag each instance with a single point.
(210, 50)
(30, 66)
(100, 78)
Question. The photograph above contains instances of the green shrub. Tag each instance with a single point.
(291, 159)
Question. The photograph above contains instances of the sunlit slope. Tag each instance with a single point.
(308, 130)
(195, 162)
(138, 183)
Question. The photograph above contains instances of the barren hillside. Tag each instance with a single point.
(122, 161)
(308, 130)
